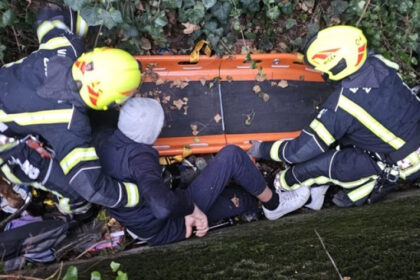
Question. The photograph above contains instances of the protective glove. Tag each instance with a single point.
(255, 150)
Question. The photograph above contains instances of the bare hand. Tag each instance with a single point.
(198, 220)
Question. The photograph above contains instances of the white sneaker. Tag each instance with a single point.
(317, 197)
(288, 202)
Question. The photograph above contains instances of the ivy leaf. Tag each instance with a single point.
(161, 19)
(195, 15)
(121, 276)
(221, 11)
(112, 19)
(76, 5)
(114, 266)
(312, 29)
(7, 18)
(339, 6)
(209, 3)
(287, 8)
(290, 22)
(92, 15)
(95, 275)
(273, 13)
(71, 273)
(251, 5)
(172, 4)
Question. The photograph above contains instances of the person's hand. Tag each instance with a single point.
(254, 151)
(198, 220)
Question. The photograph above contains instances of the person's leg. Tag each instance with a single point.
(230, 163)
(233, 163)
(350, 168)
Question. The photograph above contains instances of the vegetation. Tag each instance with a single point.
(230, 26)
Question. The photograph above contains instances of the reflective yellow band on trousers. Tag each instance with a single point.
(47, 26)
(76, 156)
(362, 191)
(55, 43)
(274, 151)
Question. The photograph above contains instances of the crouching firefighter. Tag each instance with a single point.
(365, 137)
(48, 94)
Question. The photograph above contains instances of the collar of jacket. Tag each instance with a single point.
(59, 84)
(370, 75)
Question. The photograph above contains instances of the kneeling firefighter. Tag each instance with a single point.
(367, 134)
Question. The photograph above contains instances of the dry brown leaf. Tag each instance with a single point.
(265, 97)
(178, 103)
(185, 99)
(346, 278)
(273, 84)
(260, 78)
(229, 78)
(194, 126)
(203, 81)
(185, 110)
(189, 27)
(235, 201)
(256, 89)
(145, 44)
(159, 81)
(283, 84)
(283, 45)
(217, 118)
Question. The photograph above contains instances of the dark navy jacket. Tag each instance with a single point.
(159, 218)
(372, 109)
(38, 96)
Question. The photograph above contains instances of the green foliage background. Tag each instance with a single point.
(231, 26)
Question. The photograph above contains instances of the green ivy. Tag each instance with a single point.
(146, 26)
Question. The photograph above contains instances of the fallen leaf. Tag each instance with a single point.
(185, 99)
(178, 103)
(195, 132)
(265, 97)
(260, 77)
(203, 81)
(185, 110)
(273, 84)
(283, 46)
(283, 84)
(189, 27)
(256, 89)
(229, 78)
(217, 118)
(145, 44)
(194, 126)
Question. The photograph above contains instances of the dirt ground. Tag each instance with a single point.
(379, 241)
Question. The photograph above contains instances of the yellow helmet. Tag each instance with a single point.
(338, 51)
(107, 76)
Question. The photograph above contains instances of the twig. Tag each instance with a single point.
(242, 32)
(55, 273)
(328, 254)
(17, 40)
(363, 13)
(20, 277)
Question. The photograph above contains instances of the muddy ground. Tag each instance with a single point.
(379, 241)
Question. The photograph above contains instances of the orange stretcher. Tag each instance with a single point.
(230, 100)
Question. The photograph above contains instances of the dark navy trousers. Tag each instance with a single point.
(211, 193)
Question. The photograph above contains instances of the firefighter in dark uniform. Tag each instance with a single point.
(47, 94)
(367, 133)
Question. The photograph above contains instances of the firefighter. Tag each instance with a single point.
(367, 134)
(166, 216)
(47, 94)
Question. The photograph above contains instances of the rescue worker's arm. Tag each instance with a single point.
(330, 125)
(163, 202)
